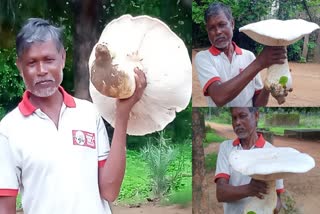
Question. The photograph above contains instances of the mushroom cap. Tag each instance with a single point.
(273, 32)
(270, 163)
(163, 57)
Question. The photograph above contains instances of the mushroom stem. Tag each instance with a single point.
(265, 205)
(279, 80)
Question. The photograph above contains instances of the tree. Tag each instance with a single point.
(200, 201)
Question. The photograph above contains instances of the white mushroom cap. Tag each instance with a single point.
(274, 32)
(270, 163)
(163, 57)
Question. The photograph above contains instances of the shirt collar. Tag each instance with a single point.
(215, 51)
(259, 143)
(26, 107)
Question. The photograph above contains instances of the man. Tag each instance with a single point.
(228, 74)
(233, 188)
(54, 147)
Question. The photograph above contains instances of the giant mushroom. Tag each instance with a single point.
(275, 32)
(269, 165)
(149, 44)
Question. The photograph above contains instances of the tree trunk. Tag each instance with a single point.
(86, 16)
(316, 56)
(200, 199)
(305, 47)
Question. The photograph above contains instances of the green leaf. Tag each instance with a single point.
(283, 80)
(251, 212)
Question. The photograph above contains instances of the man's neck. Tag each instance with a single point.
(248, 142)
(228, 51)
(51, 105)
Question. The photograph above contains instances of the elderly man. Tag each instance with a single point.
(233, 188)
(228, 74)
(54, 147)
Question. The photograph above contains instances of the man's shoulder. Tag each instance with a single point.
(227, 144)
(201, 53)
(246, 52)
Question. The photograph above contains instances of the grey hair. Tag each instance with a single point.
(215, 9)
(38, 30)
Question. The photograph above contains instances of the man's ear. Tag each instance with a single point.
(232, 24)
(19, 66)
(63, 55)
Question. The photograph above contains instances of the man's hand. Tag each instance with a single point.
(125, 105)
(272, 55)
(257, 188)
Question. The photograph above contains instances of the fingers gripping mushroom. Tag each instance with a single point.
(268, 165)
(149, 44)
(274, 32)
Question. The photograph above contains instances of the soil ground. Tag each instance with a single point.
(147, 209)
(304, 188)
(306, 81)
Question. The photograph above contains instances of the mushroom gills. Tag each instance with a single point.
(113, 76)
(265, 205)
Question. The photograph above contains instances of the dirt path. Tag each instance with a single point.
(150, 209)
(306, 81)
(304, 188)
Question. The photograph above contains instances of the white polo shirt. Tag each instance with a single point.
(224, 170)
(56, 169)
(213, 65)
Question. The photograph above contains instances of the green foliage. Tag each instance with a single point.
(158, 158)
(213, 137)
(211, 161)
(11, 84)
(251, 212)
(283, 80)
(282, 119)
(135, 185)
(182, 198)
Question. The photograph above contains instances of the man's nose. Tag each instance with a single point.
(41, 69)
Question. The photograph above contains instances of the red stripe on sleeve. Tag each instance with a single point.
(279, 191)
(9, 192)
(206, 86)
(101, 163)
(221, 175)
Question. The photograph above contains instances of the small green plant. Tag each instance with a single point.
(283, 81)
(251, 212)
(158, 158)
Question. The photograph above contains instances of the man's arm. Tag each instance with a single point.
(262, 98)
(223, 92)
(112, 173)
(228, 193)
(7, 205)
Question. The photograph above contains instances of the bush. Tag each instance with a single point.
(11, 84)
(211, 161)
(158, 158)
(282, 119)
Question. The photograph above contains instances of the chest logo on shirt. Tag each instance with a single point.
(83, 138)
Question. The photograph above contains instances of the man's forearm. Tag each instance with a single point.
(229, 193)
(7, 205)
(262, 98)
(112, 173)
(225, 92)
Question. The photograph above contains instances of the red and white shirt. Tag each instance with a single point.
(55, 169)
(224, 170)
(213, 65)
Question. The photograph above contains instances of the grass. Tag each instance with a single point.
(136, 185)
(211, 161)
(211, 136)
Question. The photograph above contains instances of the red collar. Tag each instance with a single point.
(26, 107)
(215, 51)
(259, 144)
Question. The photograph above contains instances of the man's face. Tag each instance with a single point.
(244, 122)
(220, 30)
(41, 68)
